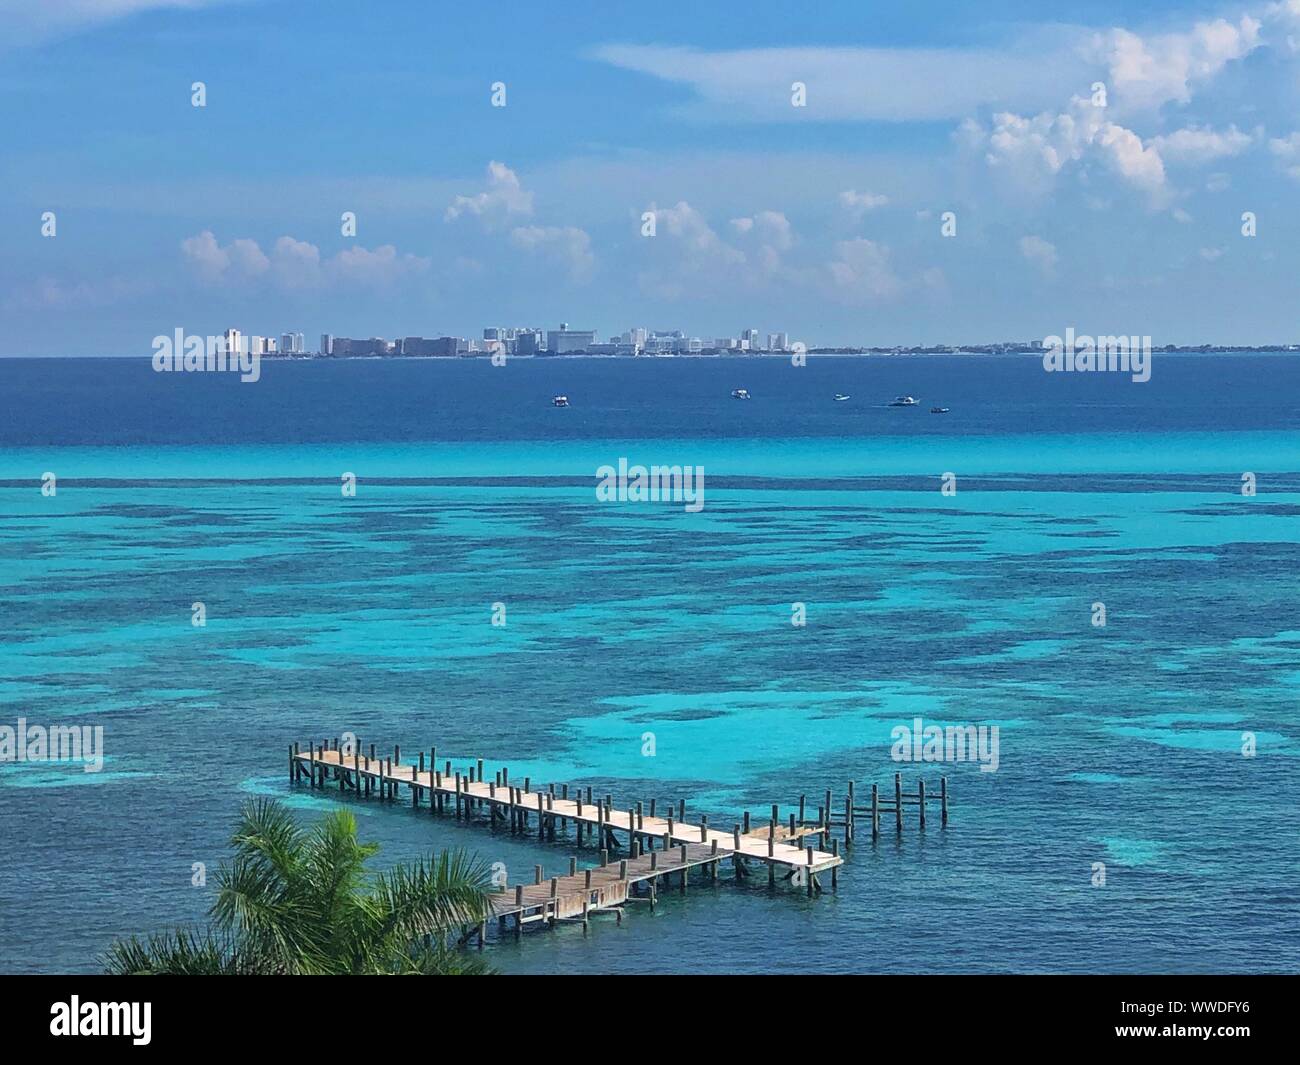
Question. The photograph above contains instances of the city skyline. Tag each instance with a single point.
(896, 180)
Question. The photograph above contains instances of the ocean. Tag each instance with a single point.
(1121, 746)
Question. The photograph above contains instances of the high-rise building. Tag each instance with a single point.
(299, 344)
(566, 339)
(326, 344)
(778, 341)
(233, 341)
(286, 343)
(528, 342)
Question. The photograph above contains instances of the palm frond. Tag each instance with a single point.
(184, 953)
(449, 892)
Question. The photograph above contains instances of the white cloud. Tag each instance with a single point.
(239, 259)
(1210, 254)
(1035, 150)
(296, 264)
(1040, 252)
(689, 229)
(770, 227)
(859, 203)
(568, 244)
(1144, 73)
(1201, 144)
(849, 84)
(1287, 147)
(689, 258)
(1287, 150)
(375, 268)
(504, 196)
(32, 21)
(861, 270)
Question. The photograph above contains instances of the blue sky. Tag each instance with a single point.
(823, 221)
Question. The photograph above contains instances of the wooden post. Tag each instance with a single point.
(622, 869)
(397, 756)
(920, 795)
(681, 809)
(458, 794)
(652, 807)
(792, 825)
(356, 766)
(898, 800)
(704, 830)
(802, 800)
(746, 830)
(771, 866)
(835, 869)
(291, 763)
(588, 878)
(537, 874)
(943, 800)
(573, 866)
(848, 819)
(875, 812)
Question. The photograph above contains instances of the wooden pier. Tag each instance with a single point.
(657, 848)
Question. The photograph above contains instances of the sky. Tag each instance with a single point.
(1093, 163)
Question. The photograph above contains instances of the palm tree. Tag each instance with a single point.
(298, 901)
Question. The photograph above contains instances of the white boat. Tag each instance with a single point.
(939, 410)
(560, 401)
(740, 393)
(903, 401)
(840, 397)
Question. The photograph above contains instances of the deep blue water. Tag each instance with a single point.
(371, 614)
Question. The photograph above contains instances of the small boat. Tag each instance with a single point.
(939, 410)
(840, 397)
(903, 401)
(560, 401)
(740, 393)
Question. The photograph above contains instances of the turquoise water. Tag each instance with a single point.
(327, 614)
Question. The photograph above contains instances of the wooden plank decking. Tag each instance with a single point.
(657, 848)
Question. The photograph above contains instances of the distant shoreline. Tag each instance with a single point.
(823, 353)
